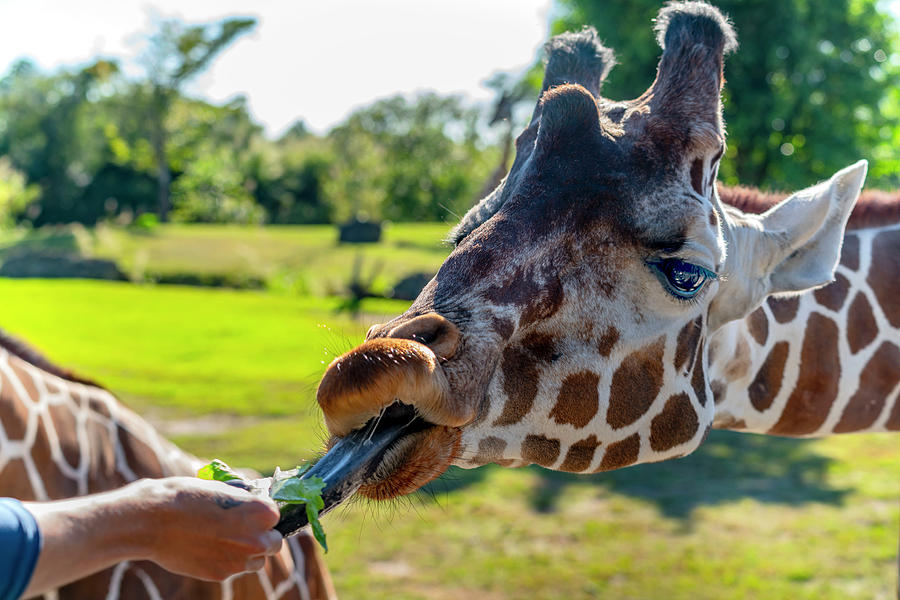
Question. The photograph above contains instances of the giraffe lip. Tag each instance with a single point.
(353, 460)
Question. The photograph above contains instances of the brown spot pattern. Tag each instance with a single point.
(540, 345)
(578, 400)
(877, 379)
(14, 481)
(98, 406)
(758, 326)
(607, 341)
(520, 383)
(502, 327)
(139, 456)
(540, 450)
(537, 300)
(580, 455)
(884, 274)
(730, 423)
(817, 384)
(13, 414)
(687, 341)
(490, 449)
(861, 326)
(102, 457)
(718, 389)
(24, 378)
(850, 252)
(56, 484)
(621, 454)
(698, 377)
(784, 309)
(736, 368)
(521, 375)
(66, 429)
(767, 383)
(833, 295)
(675, 425)
(635, 385)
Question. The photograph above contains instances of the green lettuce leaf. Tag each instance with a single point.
(217, 471)
(293, 490)
(285, 489)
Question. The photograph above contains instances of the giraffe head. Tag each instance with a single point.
(567, 327)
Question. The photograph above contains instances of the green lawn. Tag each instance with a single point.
(307, 259)
(232, 374)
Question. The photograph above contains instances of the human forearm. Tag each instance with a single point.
(203, 529)
(81, 536)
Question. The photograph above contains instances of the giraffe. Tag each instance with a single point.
(605, 306)
(63, 436)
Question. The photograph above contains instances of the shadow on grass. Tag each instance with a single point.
(728, 467)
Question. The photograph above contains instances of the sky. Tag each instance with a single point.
(312, 60)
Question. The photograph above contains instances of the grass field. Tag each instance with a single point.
(296, 259)
(232, 373)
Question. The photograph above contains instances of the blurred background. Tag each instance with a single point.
(201, 204)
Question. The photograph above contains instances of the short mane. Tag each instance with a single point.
(875, 208)
(18, 348)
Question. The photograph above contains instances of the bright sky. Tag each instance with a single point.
(315, 60)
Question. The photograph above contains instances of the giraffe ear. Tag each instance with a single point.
(806, 231)
(793, 247)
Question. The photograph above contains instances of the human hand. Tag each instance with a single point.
(207, 529)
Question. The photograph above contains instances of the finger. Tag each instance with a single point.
(273, 541)
(267, 513)
(256, 563)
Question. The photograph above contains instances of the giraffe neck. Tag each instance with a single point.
(62, 437)
(826, 361)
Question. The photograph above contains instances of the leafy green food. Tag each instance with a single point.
(294, 490)
(287, 488)
(218, 471)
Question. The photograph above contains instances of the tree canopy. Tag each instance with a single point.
(813, 87)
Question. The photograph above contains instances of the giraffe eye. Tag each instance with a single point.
(681, 279)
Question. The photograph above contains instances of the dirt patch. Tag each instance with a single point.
(212, 424)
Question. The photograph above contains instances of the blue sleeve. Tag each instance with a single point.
(20, 544)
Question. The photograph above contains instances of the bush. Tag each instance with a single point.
(15, 194)
(212, 190)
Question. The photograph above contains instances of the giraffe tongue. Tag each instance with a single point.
(352, 460)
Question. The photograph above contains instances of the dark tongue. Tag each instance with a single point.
(351, 461)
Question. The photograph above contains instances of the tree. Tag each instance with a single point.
(174, 55)
(15, 194)
(47, 136)
(811, 89)
(404, 159)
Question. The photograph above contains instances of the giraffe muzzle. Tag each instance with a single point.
(353, 461)
(358, 385)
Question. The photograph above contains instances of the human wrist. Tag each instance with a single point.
(143, 508)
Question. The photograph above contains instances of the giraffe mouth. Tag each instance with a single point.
(365, 461)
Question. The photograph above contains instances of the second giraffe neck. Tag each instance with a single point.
(826, 361)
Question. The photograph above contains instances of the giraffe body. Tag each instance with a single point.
(62, 437)
(825, 361)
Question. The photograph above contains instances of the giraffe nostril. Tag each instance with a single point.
(430, 329)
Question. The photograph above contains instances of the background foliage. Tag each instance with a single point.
(812, 88)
